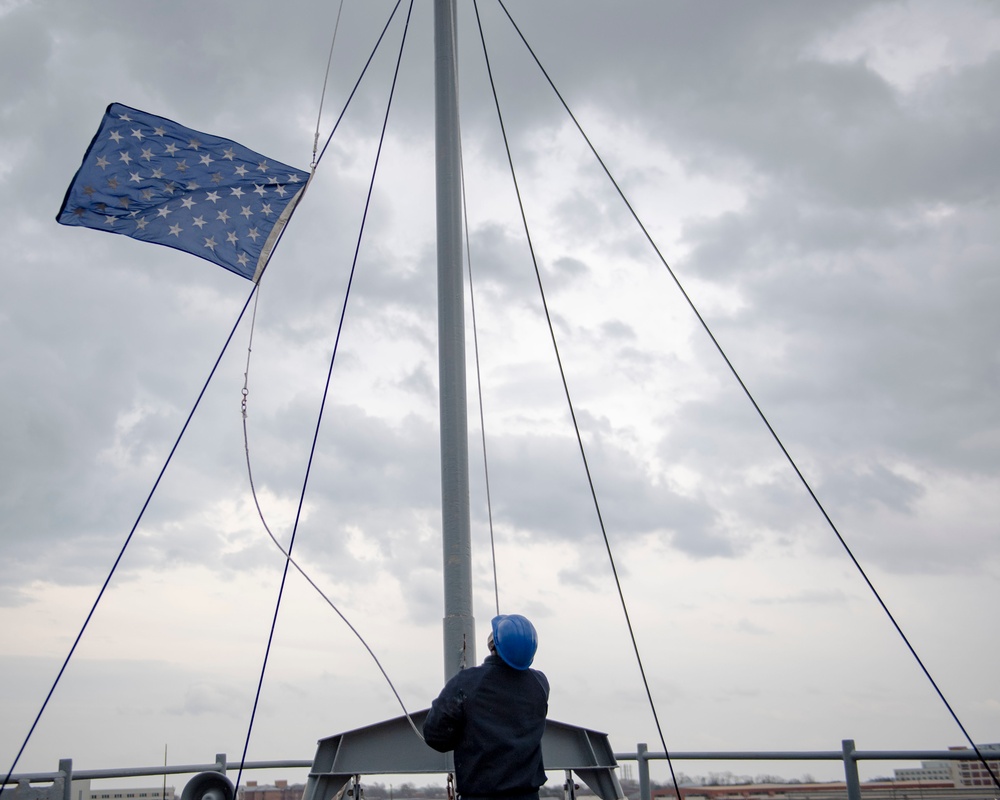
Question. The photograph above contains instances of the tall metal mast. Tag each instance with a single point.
(459, 622)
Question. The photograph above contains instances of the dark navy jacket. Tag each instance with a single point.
(493, 717)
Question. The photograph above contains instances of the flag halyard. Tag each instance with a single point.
(149, 178)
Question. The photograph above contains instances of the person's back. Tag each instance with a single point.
(493, 717)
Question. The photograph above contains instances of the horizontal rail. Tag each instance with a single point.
(804, 755)
(178, 769)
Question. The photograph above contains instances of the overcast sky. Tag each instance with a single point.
(824, 181)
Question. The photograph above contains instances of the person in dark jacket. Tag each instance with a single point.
(493, 717)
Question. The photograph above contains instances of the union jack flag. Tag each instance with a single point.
(149, 178)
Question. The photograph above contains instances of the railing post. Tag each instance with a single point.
(66, 768)
(220, 759)
(569, 786)
(851, 770)
(644, 788)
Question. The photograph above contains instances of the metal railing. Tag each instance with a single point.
(58, 783)
(848, 754)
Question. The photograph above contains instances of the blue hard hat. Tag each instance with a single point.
(515, 640)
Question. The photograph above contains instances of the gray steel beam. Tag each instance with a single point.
(393, 748)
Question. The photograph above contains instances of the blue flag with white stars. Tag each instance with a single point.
(149, 178)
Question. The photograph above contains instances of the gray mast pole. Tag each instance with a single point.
(459, 622)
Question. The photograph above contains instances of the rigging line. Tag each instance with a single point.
(246, 370)
(173, 449)
(479, 379)
(315, 164)
(260, 512)
(569, 400)
(326, 79)
(128, 539)
(750, 397)
(475, 341)
(357, 83)
(319, 591)
(326, 391)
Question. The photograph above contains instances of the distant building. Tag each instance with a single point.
(133, 794)
(973, 773)
(958, 773)
(930, 771)
(279, 790)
